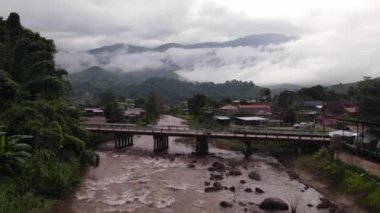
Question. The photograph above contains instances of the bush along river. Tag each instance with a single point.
(136, 180)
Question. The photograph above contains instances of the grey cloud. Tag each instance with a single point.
(337, 44)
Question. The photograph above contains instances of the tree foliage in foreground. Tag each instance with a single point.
(47, 165)
(368, 97)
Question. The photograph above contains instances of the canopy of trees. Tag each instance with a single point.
(367, 95)
(45, 165)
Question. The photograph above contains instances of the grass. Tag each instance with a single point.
(344, 179)
(254, 176)
(11, 200)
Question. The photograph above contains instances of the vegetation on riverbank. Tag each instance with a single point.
(341, 178)
(43, 166)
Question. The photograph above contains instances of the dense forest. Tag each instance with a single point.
(95, 80)
(43, 146)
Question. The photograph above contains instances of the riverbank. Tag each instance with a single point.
(349, 187)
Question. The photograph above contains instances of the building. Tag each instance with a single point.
(134, 113)
(333, 110)
(251, 121)
(257, 109)
(310, 110)
(227, 110)
(223, 120)
(92, 112)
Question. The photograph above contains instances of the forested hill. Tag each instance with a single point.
(45, 162)
(96, 80)
(173, 89)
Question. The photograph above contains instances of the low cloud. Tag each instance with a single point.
(75, 61)
(326, 58)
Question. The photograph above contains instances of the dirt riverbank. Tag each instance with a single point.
(345, 203)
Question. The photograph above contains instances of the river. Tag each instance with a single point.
(135, 180)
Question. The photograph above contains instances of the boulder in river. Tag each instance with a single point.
(218, 185)
(191, 166)
(216, 177)
(207, 183)
(249, 190)
(274, 204)
(234, 172)
(225, 204)
(211, 169)
(211, 189)
(258, 190)
(243, 182)
(232, 189)
(219, 166)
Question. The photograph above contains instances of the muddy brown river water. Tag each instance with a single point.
(135, 180)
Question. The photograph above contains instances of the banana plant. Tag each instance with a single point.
(13, 153)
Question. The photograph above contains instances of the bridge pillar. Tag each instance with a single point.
(248, 149)
(123, 140)
(201, 147)
(117, 140)
(161, 142)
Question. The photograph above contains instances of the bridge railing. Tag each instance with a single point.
(186, 128)
(224, 132)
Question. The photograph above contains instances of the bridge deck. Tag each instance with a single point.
(183, 131)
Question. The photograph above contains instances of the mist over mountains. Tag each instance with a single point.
(135, 71)
(180, 59)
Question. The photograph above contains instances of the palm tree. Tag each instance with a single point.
(13, 153)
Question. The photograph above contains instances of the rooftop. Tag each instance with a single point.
(252, 118)
(228, 107)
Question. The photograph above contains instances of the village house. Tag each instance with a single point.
(366, 138)
(310, 110)
(93, 112)
(333, 110)
(226, 110)
(132, 114)
(250, 114)
(256, 109)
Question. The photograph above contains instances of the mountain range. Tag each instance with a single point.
(97, 78)
(247, 41)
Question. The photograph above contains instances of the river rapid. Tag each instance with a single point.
(136, 180)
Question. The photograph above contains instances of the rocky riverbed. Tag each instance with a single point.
(135, 180)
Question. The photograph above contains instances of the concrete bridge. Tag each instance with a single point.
(124, 135)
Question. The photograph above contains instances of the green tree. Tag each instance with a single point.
(140, 102)
(368, 99)
(265, 93)
(196, 103)
(106, 97)
(290, 116)
(31, 102)
(286, 99)
(153, 106)
(13, 153)
(8, 89)
(113, 112)
(313, 93)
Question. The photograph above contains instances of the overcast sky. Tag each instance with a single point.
(339, 39)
